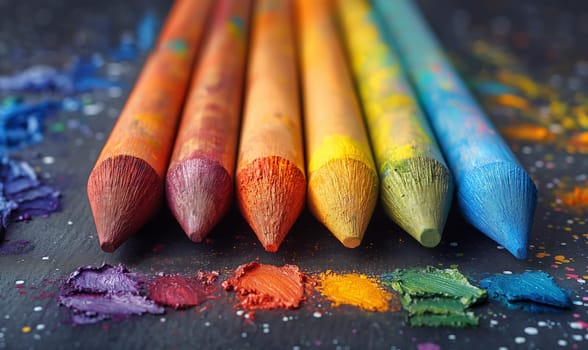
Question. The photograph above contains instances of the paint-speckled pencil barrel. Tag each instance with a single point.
(494, 192)
(416, 186)
(342, 178)
(136, 154)
(199, 181)
(271, 183)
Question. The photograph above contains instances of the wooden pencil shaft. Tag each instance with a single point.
(200, 175)
(494, 192)
(138, 148)
(342, 179)
(271, 185)
(416, 186)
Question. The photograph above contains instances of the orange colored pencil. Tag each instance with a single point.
(271, 184)
(199, 180)
(125, 188)
(342, 178)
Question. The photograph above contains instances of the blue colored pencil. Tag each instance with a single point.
(494, 192)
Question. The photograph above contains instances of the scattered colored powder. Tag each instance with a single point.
(578, 142)
(434, 297)
(512, 101)
(354, 289)
(534, 291)
(528, 132)
(22, 194)
(147, 31)
(16, 247)
(21, 124)
(81, 75)
(98, 293)
(129, 48)
(492, 88)
(181, 292)
(428, 346)
(261, 286)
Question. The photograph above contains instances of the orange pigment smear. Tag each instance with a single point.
(528, 132)
(578, 142)
(577, 197)
(512, 101)
(354, 289)
(265, 287)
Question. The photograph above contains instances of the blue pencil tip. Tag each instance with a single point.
(499, 199)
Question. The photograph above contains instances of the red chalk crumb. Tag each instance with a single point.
(182, 292)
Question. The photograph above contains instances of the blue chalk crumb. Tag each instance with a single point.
(533, 291)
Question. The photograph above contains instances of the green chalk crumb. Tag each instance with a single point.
(466, 319)
(434, 297)
(436, 305)
(430, 281)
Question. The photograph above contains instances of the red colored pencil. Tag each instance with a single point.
(125, 188)
(199, 181)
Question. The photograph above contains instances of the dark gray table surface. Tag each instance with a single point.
(52, 32)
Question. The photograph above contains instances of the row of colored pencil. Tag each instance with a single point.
(262, 155)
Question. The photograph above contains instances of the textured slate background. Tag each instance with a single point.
(34, 32)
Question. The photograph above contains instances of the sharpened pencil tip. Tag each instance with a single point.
(430, 237)
(271, 247)
(199, 192)
(108, 247)
(119, 203)
(351, 242)
(270, 193)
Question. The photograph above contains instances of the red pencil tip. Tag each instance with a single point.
(271, 247)
(199, 192)
(108, 247)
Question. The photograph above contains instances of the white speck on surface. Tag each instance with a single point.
(285, 318)
(542, 324)
(520, 340)
(493, 323)
(206, 324)
(114, 92)
(562, 342)
(577, 337)
(40, 327)
(93, 109)
(507, 272)
(162, 319)
(48, 160)
(239, 313)
(499, 247)
(317, 314)
(451, 337)
(19, 282)
(244, 335)
(69, 222)
(45, 258)
(38, 308)
(531, 331)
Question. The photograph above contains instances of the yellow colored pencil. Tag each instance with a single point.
(271, 184)
(416, 185)
(342, 178)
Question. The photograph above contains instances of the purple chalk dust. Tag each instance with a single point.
(94, 294)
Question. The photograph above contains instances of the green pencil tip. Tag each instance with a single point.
(430, 237)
